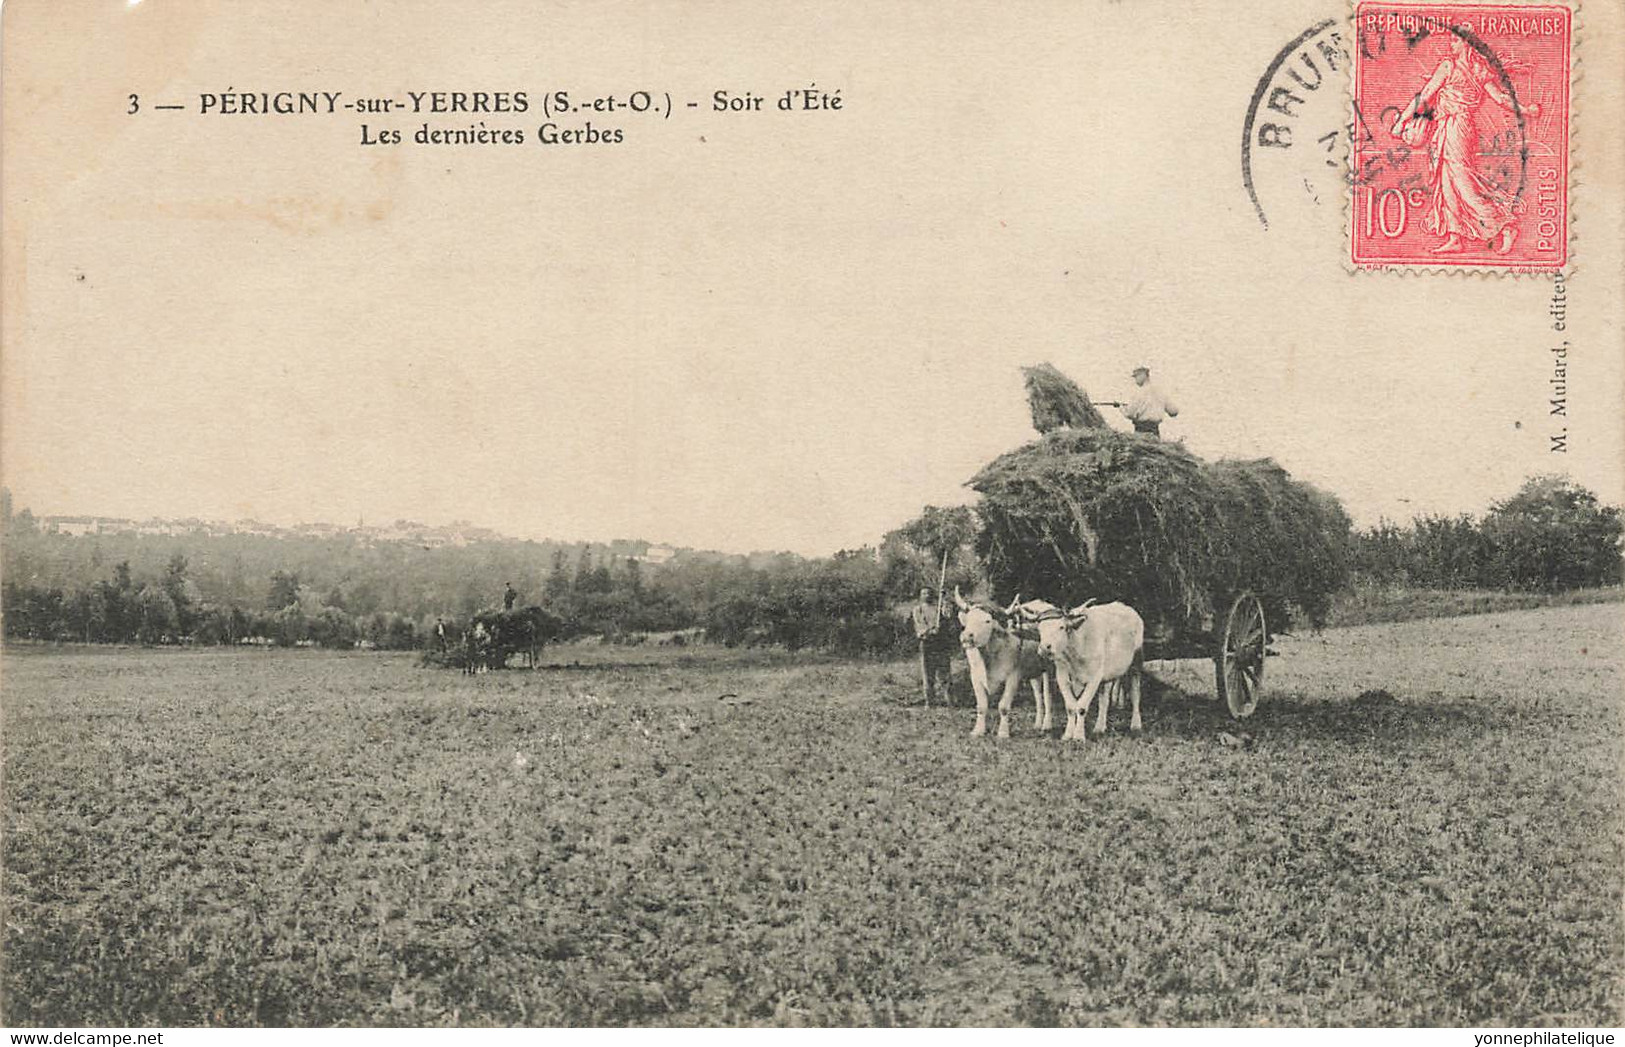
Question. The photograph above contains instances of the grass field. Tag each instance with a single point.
(1423, 826)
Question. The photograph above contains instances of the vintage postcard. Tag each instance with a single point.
(1089, 513)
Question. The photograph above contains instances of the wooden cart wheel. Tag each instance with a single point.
(1238, 668)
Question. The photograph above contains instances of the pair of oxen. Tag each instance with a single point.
(1088, 651)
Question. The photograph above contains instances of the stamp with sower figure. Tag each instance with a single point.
(1460, 153)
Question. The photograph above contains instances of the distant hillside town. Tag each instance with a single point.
(457, 535)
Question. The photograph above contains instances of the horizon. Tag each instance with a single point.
(20, 505)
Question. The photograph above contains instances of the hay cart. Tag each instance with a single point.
(1235, 639)
(1218, 557)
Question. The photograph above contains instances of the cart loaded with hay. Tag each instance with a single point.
(1217, 557)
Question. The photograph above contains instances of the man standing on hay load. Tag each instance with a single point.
(1149, 406)
(933, 651)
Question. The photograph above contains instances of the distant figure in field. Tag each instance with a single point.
(508, 596)
(440, 634)
(1149, 406)
(928, 630)
(477, 649)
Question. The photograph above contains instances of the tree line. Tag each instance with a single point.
(170, 608)
(338, 592)
(1551, 536)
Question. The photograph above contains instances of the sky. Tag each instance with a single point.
(732, 331)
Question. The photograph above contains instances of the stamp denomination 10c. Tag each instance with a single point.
(1460, 152)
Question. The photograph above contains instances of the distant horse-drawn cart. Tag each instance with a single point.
(495, 637)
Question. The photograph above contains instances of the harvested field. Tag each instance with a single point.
(1422, 826)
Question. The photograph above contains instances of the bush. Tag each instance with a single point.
(1553, 535)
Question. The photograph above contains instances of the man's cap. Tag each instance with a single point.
(1140, 369)
(925, 590)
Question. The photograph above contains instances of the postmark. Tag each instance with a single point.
(1459, 152)
(1293, 139)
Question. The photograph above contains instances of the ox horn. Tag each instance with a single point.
(959, 601)
(1013, 605)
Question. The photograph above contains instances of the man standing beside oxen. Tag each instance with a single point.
(933, 638)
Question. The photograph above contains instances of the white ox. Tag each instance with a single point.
(1093, 646)
(1000, 658)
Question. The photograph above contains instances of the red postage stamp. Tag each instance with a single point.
(1460, 152)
